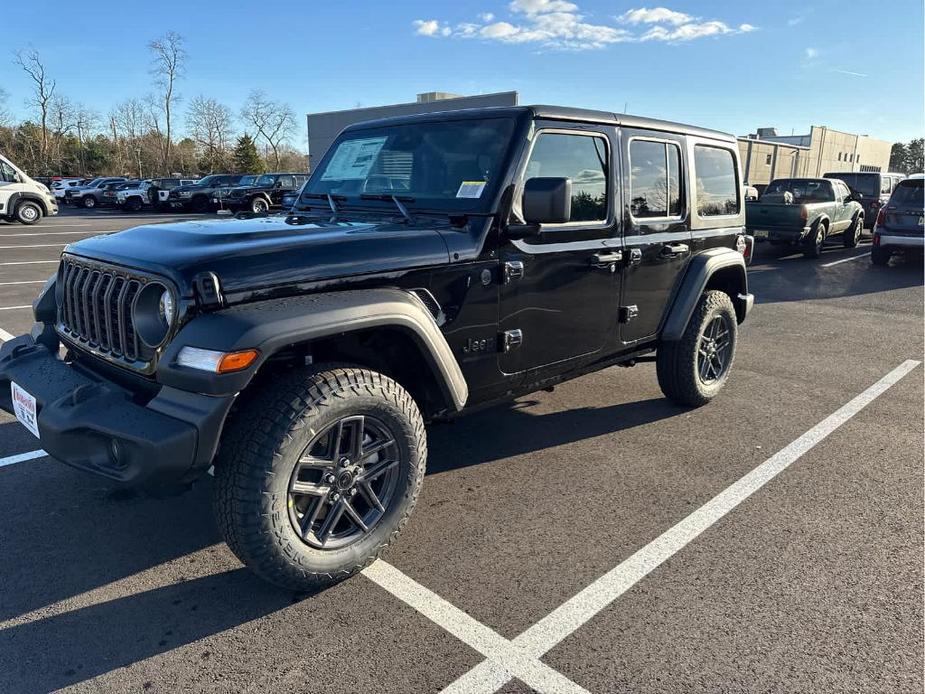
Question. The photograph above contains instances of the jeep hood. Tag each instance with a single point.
(267, 253)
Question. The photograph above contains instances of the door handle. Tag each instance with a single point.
(673, 250)
(606, 259)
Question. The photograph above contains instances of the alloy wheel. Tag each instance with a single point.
(344, 482)
(713, 351)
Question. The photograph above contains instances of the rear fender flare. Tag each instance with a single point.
(696, 279)
(272, 325)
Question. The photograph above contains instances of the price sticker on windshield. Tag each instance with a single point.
(471, 189)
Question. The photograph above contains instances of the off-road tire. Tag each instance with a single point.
(815, 242)
(259, 205)
(852, 235)
(28, 212)
(676, 361)
(880, 256)
(263, 441)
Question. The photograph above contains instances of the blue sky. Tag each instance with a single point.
(730, 65)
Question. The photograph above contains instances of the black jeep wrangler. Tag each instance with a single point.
(432, 264)
(264, 194)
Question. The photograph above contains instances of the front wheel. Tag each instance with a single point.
(259, 206)
(133, 204)
(692, 370)
(89, 202)
(318, 474)
(28, 212)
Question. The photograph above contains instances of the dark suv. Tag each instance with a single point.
(198, 196)
(870, 188)
(433, 264)
(264, 194)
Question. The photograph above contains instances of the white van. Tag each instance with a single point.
(21, 198)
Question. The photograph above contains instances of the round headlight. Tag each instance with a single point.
(154, 313)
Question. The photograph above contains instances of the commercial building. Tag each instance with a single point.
(766, 155)
(324, 127)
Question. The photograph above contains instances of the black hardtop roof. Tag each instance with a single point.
(565, 113)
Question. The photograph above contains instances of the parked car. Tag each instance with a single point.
(301, 359)
(264, 194)
(23, 199)
(900, 226)
(804, 212)
(169, 184)
(137, 195)
(197, 197)
(107, 196)
(289, 199)
(871, 189)
(58, 188)
(89, 195)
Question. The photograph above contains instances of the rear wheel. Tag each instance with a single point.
(852, 234)
(259, 206)
(692, 370)
(880, 256)
(199, 204)
(88, 201)
(318, 474)
(28, 212)
(816, 241)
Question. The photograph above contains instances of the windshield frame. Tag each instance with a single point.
(315, 190)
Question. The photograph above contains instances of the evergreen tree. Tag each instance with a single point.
(246, 158)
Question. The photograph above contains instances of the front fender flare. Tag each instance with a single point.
(699, 271)
(272, 325)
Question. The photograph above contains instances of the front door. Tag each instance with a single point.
(560, 290)
(657, 222)
(8, 186)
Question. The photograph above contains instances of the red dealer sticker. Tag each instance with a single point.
(24, 408)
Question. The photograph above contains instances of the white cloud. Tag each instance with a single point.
(811, 53)
(426, 27)
(850, 73)
(560, 24)
(656, 15)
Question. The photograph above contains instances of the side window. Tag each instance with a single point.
(885, 184)
(286, 182)
(583, 159)
(655, 179)
(717, 191)
(7, 175)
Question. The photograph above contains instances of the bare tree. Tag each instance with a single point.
(274, 121)
(209, 123)
(5, 116)
(43, 92)
(167, 68)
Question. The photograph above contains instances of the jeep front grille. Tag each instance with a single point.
(95, 309)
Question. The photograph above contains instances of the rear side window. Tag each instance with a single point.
(655, 179)
(717, 189)
(910, 194)
(583, 159)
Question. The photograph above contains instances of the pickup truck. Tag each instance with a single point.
(804, 212)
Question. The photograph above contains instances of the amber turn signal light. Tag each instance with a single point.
(236, 361)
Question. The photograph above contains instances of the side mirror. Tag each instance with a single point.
(547, 200)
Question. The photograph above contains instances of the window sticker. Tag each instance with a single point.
(353, 159)
(471, 189)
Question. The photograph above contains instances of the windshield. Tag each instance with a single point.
(206, 181)
(909, 194)
(265, 180)
(865, 184)
(447, 165)
(95, 182)
(802, 190)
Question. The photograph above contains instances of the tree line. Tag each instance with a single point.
(908, 157)
(139, 136)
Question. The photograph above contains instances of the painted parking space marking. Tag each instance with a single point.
(22, 458)
(53, 233)
(846, 260)
(4, 335)
(539, 639)
(14, 308)
(31, 262)
(469, 630)
(7, 284)
(32, 245)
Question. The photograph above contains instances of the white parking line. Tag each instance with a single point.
(845, 260)
(4, 335)
(31, 262)
(6, 284)
(13, 308)
(53, 233)
(470, 631)
(33, 245)
(493, 674)
(21, 458)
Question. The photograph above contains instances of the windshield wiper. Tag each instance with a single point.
(397, 199)
(330, 197)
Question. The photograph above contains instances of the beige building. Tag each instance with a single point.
(767, 155)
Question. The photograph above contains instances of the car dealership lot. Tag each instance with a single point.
(811, 583)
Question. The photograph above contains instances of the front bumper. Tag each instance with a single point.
(91, 423)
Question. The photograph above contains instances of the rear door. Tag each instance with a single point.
(656, 220)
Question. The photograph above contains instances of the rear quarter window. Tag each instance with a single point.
(716, 181)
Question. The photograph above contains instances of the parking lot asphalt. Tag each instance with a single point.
(811, 582)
